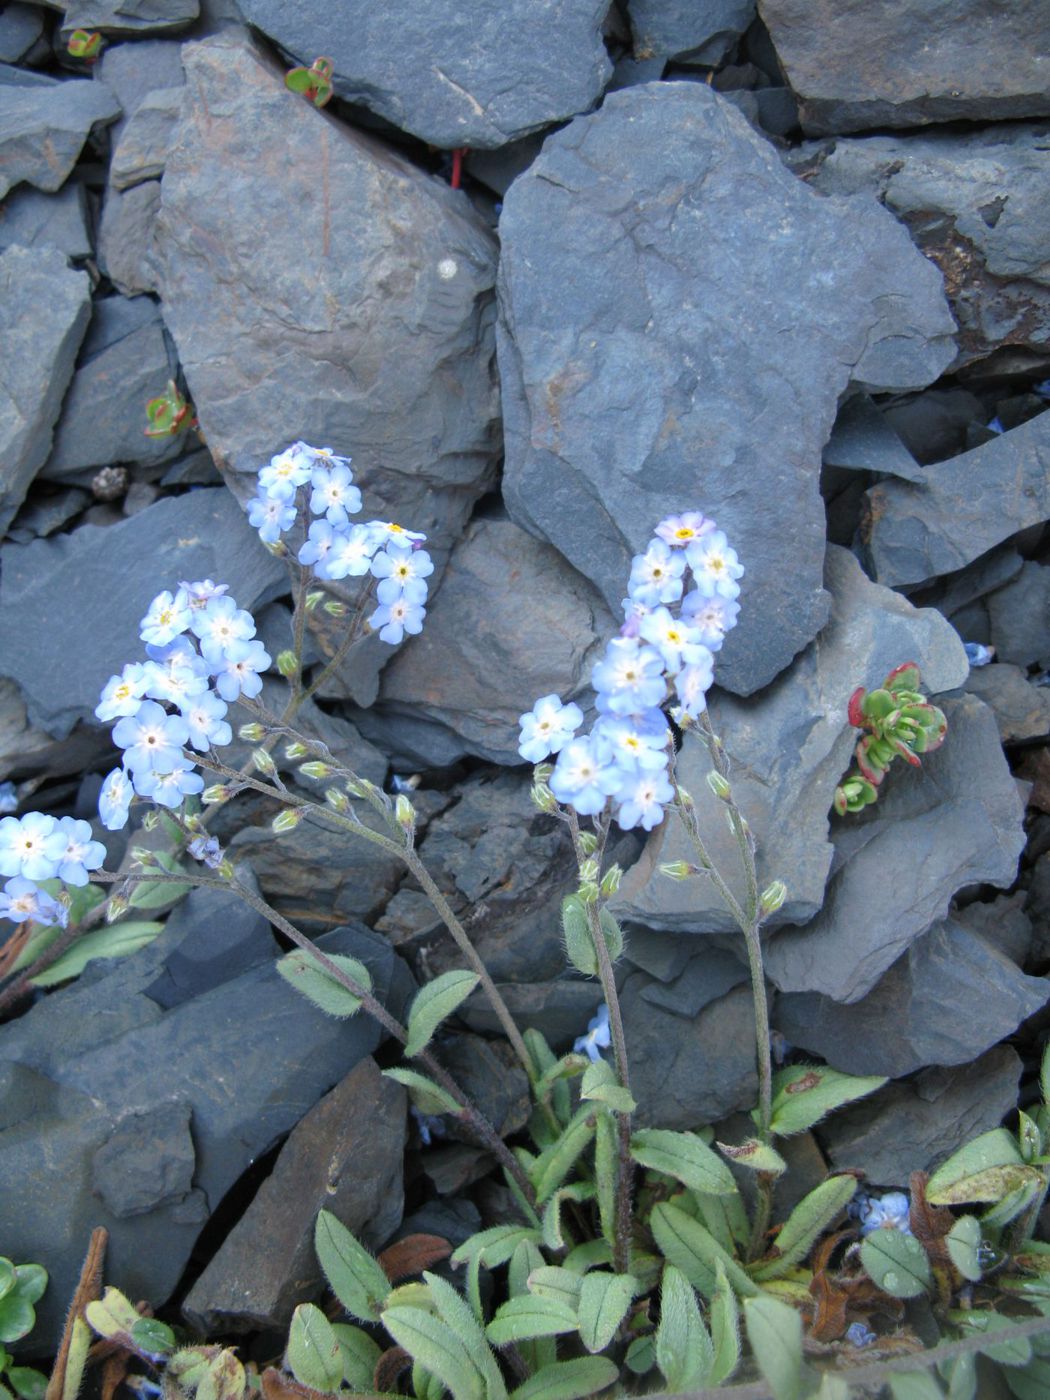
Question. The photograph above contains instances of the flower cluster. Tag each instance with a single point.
(305, 478)
(202, 655)
(41, 847)
(891, 1211)
(626, 756)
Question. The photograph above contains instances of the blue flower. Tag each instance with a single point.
(641, 801)
(236, 674)
(204, 717)
(151, 739)
(123, 694)
(393, 620)
(334, 494)
(978, 655)
(714, 565)
(271, 516)
(630, 676)
(75, 851)
(891, 1211)
(26, 848)
(598, 1037)
(402, 571)
(22, 901)
(656, 575)
(547, 728)
(169, 788)
(167, 618)
(583, 778)
(860, 1335)
(207, 850)
(319, 543)
(115, 799)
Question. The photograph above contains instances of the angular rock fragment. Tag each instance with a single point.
(143, 149)
(864, 440)
(44, 127)
(126, 237)
(694, 31)
(452, 72)
(679, 318)
(21, 26)
(133, 71)
(39, 220)
(130, 16)
(1020, 617)
(1021, 709)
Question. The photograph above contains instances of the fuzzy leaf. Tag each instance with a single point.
(964, 1243)
(157, 894)
(986, 1169)
(353, 1275)
(313, 1353)
(806, 1223)
(550, 1281)
(223, 1378)
(692, 1249)
(755, 1155)
(554, 1163)
(495, 1245)
(774, 1330)
(1044, 1075)
(427, 1096)
(725, 1330)
(806, 1094)
(457, 1313)
(606, 1174)
(300, 970)
(914, 1385)
(553, 1237)
(1009, 1352)
(430, 1341)
(604, 1300)
(896, 1263)
(601, 1085)
(1010, 1206)
(110, 941)
(685, 1157)
(530, 1316)
(684, 1351)
(568, 1380)
(359, 1355)
(433, 1003)
(579, 945)
(112, 1315)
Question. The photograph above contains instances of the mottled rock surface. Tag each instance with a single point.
(1019, 614)
(130, 16)
(39, 220)
(126, 235)
(143, 148)
(698, 31)
(1021, 709)
(43, 128)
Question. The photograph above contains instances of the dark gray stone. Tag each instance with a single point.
(1020, 617)
(641, 336)
(20, 27)
(705, 978)
(558, 1009)
(210, 938)
(1001, 922)
(950, 997)
(125, 360)
(963, 507)
(39, 354)
(142, 150)
(52, 588)
(452, 72)
(130, 16)
(1022, 710)
(698, 31)
(42, 517)
(43, 128)
(133, 71)
(24, 77)
(38, 220)
(956, 821)
(345, 1156)
(146, 1162)
(855, 65)
(773, 109)
(863, 440)
(904, 1128)
(26, 751)
(498, 168)
(485, 656)
(126, 237)
(955, 595)
(490, 1075)
(790, 748)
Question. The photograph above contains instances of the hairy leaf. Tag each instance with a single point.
(427, 1096)
(313, 1354)
(554, 1163)
(433, 1003)
(686, 1244)
(774, 1330)
(495, 1245)
(805, 1094)
(896, 1263)
(353, 1275)
(685, 1157)
(569, 1380)
(530, 1316)
(359, 1355)
(604, 1300)
(303, 973)
(430, 1341)
(684, 1351)
(806, 1223)
(110, 941)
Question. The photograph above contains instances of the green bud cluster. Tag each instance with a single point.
(899, 722)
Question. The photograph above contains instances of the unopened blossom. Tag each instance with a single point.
(114, 800)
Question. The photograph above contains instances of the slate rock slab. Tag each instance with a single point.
(1021, 709)
(39, 354)
(70, 607)
(790, 747)
(855, 65)
(903, 1128)
(452, 72)
(950, 997)
(963, 507)
(143, 148)
(132, 71)
(126, 359)
(863, 439)
(20, 28)
(43, 129)
(696, 31)
(130, 16)
(679, 317)
(956, 821)
(345, 1156)
(39, 220)
(126, 237)
(1020, 617)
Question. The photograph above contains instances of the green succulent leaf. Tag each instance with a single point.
(604, 1300)
(684, 1351)
(806, 1094)
(353, 1275)
(302, 972)
(358, 1353)
(153, 1337)
(28, 1383)
(686, 1244)
(433, 1003)
(964, 1243)
(530, 1316)
(16, 1318)
(430, 1341)
(111, 941)
(896, 1263)
(577, 1379)
(774, 1330)
(804, 1226)
(7, 1277)
(685, 1157)
(427, 1096)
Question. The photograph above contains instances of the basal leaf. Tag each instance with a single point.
(686, 1244)
(359, 1355)
(433, 1003)
(530, 1316)
(601, 1085)
(806, 1223)
(914, 1385)
(896, 1263)
(604, 1300)
(302, 972)
(458, 1314)
(964, 1243)
(805, 1094)
(550, 1281)
(685, 1157)
(725, 1330)
(430, 1341)
(553, 1236)
(353, 1275)
(313, 1353)
(157, 894)
(109, 941)
(495, 1245)
(774, 1330)
(554, 1163)
(569, 1380)
(684, 1351)
(606, 1173)
(427, 1096)
(755, 1155)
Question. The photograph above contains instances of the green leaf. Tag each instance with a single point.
(549, 1281)
(112, 1315)
(568, 1067)
(592, 1254)
(530, 1316)
(1029, 1138)
(755, 1155)
(725, 1330)
(568, 1380)
(223, 1378)
(1031, 1382)
(806, 1223)
(459, 1315)
(806, 1094)
(686, 1244)
(960, 1376)
(430, 1341)
(914, 1385)
(832, 1388)
(990, 1150)
(725, 1217)
(359, 1355)
(157, 894)
(29, 1384)
(896, 1263)
(553, 1237)
(300, 80)
(433, 1003)
(1044, 1075)
(601, 1085)
(495, 1245)
(30, 1281)
(641, 1355)
(7, 1277)
(353, 1275)
(153, 1337)
(427, 1096)
(301, 971)
(684, 1351)
(313, 1354)
(604, 1300)
(685, 1157)
(1010, 1206)
(774, 1331)
(110, 941)
(1012, 1351)
(579, 945)
(554, 1163)
(424, 1385)
(964, 1242)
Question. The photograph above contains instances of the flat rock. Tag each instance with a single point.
(130, 16)
(345, 1156)
(452, 72)
(492, 1078)
(39, 354)
(863, 439)
(483, 658)
(904, 1128)
(142, 150)
(558, 1009)
(125, 360)
(38, 220)
(674, 301)
(790, 748)
(1020, 617)
(963, 507)
(703, 980)
(951, 996)
(1021, 709)
(855, 65)
(696, 31)
(42, 130)
(126, 237)
(956, 821)
(51, 586)
(133, 71)
(1002, 922)
(146, 1162)
(20, 28)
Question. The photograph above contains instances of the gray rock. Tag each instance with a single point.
(1001, 922)
(498, 168)
(29, 752)
(963, 507)
(489, 1073)
(790, 748)
(1022, 710)
(130, 16)
(700, 31)
(956, 821)
(40, 518)
(42, 130)
(367, 319)
(904, 1128)
(133, 71)
(558, 1009)
(954, 595)
(38, 220)
(1020, 617)
(345, 1156)
(705, 978)
(39, 353)
(863, 440)
(142, 151)
(951, 996)
(146, 1162)
(24, 77)
(125, 360)
(51, 586)
(126, 237)
(454, 73)
(20, 27)
(773, 109)
(485, 656)
(689, 1071)
(855, 65)
(625, 361)
(973, 203)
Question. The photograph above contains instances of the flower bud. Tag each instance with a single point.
(685, 798)
(218, 792)
(141, 856)
(313, 598)
(287, 664)
(316, 769)
(588, 891)
(773, 897)
(677, 870)
(263, 762)
(404, 812)
(611, 880)
(117, 906)
(337, 800)
(150, 820)
(295, 750)
(287, 820)
(588, 842)
(253, 733)
(719, 786)
(277, 548)
(543, 798)
(225, 869)
(542, 772)
(334, 608)
(589, 869)
(359, 787)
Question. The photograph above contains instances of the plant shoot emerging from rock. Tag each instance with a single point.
(900, 723)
